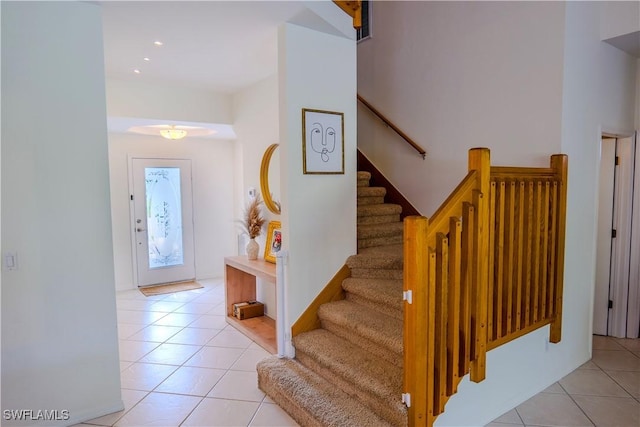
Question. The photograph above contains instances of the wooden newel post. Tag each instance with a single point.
(420, 410)
(560, 164)
(480, 161)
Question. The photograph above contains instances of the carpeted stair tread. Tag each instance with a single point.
(368, 201)
(379, 241)
(364, 175)
(375, 381)
(379, 209)
(377, 219)
(371, 235)
(368, 231)
(371, 192)
(384, 295)
(363, 179)
(376, 259)
(365, 327)
(310, 399)
(394, 251)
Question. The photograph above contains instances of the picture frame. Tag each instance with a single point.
(274, 241)
(322, 142)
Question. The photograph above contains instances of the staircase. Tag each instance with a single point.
(350, 371)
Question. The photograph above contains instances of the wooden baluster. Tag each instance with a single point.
(544, 256)
(442, 287)
(432, 393)
(537, 203)
(527, 252)
(499, 288)
(453, 324)
(509, 287)
(468, 224)
(479, 294)
(520, 255)
(491, 308)
(552, 249)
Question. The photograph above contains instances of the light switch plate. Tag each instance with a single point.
(11, 261)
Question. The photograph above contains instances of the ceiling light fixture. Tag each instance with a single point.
(158, 43)
(146, 59)
(173, 133)
(136, 71)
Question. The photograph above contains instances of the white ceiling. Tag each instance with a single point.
(221, 46)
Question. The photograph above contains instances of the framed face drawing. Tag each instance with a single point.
(322, 142)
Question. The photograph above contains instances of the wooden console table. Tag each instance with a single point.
(240, 285)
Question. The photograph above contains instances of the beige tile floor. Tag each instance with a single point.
(603, 392)
(183, 365)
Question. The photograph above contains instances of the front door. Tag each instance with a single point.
(163, 220)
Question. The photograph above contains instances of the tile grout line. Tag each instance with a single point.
(576, 403)
(202, 398)
(613, 379)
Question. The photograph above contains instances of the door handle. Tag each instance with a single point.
(140, 229)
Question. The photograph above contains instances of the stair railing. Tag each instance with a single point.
(445, 291)
(395, 128)
(528, 208)
(485, 269)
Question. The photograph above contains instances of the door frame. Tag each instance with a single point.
(132, 231)
(624, 287)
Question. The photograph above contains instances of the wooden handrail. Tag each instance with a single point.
(485, 269)
(397, 130)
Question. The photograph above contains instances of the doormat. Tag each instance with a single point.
(169, 288)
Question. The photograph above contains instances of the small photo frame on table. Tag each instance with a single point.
(322, 142)
(274, 241)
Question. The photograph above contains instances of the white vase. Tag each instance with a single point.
(252, 249)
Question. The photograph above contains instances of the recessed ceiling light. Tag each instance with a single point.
(146, 59)
(136, 71)
(158, 43)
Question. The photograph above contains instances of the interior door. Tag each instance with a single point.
(605, 226)
(163, 220)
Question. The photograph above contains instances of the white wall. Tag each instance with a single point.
(619, 18)
(59, 338)
(598, 96)
(316, 70)
(137, 98)
(460, 75)
(212, 171)
(256, 123)
(527, 80)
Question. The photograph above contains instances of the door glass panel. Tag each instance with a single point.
(164, 217)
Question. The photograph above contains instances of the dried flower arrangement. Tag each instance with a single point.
(253, 220)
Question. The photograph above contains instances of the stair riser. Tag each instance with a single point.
(379, 349)
(371, 192)
(383, 406)
(382, 231)
(379, 241)
(283, 400)
(373, 273)
(374, 200)
(363, 182)
(358, 261)
(377, 219)
(393, 311)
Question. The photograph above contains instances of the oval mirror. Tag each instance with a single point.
(270, 179)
